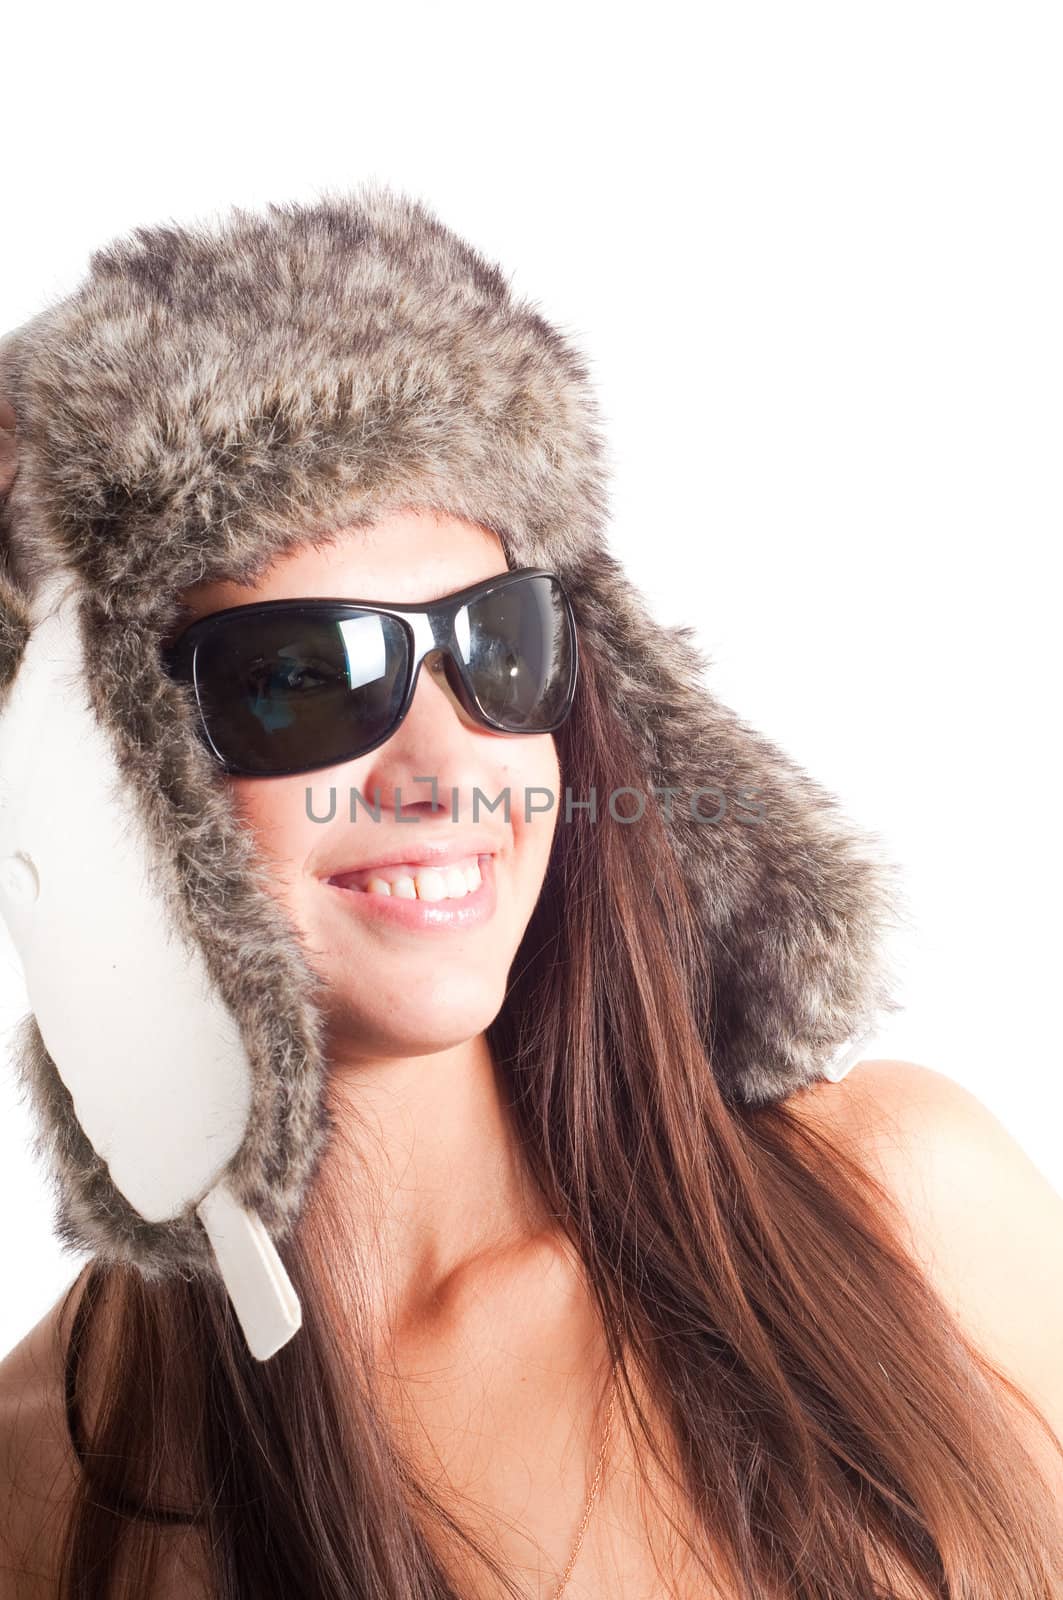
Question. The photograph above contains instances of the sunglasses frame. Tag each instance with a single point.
(428, 628)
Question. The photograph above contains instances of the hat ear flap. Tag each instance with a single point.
(15, 624)
(793, 901)
(14, 629)
(14, 606)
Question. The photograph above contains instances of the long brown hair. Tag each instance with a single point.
(836, 1435)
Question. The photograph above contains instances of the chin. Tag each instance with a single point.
(440, 1019)
(383, 1041)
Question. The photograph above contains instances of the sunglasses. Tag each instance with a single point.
(288, 686)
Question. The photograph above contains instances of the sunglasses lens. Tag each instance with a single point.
(517, 649)
(293, 687)
(296, 689)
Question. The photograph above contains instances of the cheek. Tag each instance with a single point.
(274, 810)
(535, 783)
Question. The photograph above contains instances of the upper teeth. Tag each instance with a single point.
(451, 882)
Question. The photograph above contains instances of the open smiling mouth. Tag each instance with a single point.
(458, 894)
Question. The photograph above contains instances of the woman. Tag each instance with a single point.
(606, 1289)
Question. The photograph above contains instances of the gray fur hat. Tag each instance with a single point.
(203, 401)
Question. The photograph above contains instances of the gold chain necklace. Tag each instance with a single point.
(594, 1490)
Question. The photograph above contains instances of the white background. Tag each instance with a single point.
(814, 256)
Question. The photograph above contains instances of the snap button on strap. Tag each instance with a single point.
(19, 882)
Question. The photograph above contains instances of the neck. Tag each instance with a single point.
(427, 1153)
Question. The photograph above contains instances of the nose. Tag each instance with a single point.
(431, 741)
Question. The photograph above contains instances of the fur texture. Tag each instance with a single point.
(207, 399)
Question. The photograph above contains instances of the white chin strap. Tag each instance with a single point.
(844, 1060)
(148, 1049)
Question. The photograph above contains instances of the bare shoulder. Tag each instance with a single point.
(981, 1218)
(942, 1153)
(903, 1119)
(37, 1464)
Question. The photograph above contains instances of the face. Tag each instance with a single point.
(406, 975)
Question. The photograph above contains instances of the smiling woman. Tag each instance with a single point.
(516, 1237)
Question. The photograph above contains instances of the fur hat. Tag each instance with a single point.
(203, 402)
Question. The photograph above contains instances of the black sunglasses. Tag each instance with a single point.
(288, 686)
